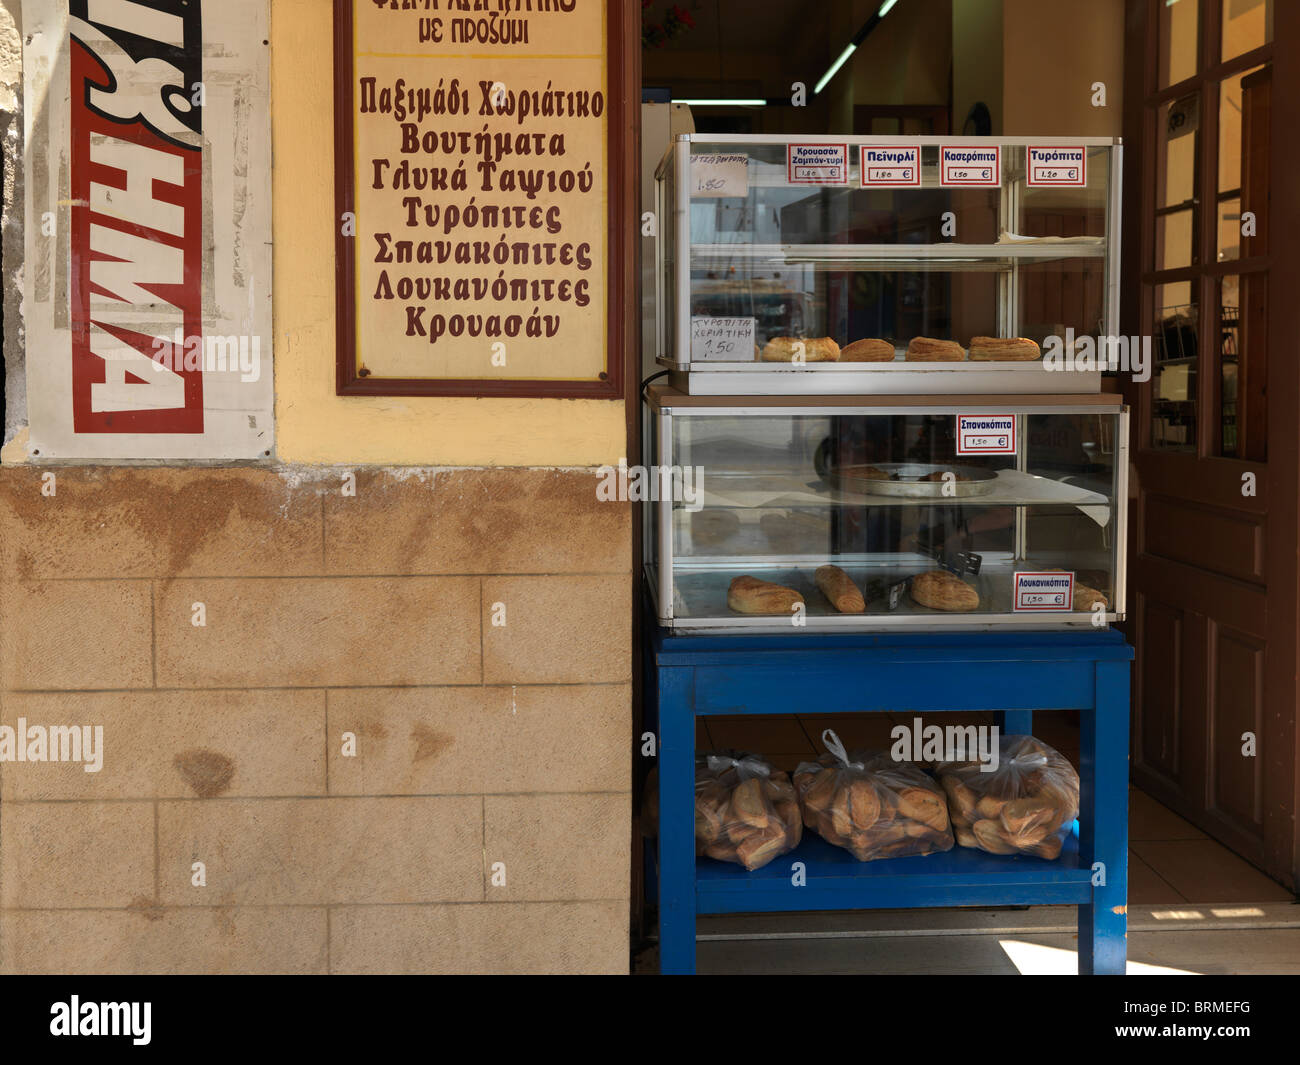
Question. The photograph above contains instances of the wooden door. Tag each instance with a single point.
(1213, 573)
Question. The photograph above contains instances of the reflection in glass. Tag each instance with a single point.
(1247, 24)
(1173, 407)
(1178, 40)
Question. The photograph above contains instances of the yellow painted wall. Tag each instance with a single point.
(313, 425)
(1053, 54)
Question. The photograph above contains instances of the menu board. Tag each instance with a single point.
(473, 194)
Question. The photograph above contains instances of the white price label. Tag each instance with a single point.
(1052, 590)
(817, 164)
(1057, 165)
(890, 168)
(970, 166)
(986, 434)
(722, 339)
(719, 176)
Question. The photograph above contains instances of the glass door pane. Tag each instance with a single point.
(1173, 405)
(1178, 40)
(1247, 24)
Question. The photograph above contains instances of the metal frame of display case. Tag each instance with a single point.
(723, 378)
(662, 576)
(692, 677)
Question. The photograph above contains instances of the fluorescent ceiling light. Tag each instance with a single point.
(835, 68)
(885, 8)
(723, 103)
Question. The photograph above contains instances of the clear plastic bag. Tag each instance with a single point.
(871, 805)
(745, 811)
(1025, 806)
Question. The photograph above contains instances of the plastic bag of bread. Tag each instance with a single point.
(745, 811)
(1025, 806)
(870, 804)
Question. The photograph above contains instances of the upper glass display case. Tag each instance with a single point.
(837, 264)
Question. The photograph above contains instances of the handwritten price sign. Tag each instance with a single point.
(722, 339)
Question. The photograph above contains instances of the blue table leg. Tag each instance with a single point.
(1103, 822)
(1016, 722)
(676, 822)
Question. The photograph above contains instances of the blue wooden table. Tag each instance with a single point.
(1012, 674)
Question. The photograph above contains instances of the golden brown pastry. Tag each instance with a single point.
(1004, 349)
(990, 837)
(815, 349)
(926, 349)
(749, 595)
(1085, 597)
(747, 804)
(839, 588)
(871, 350)
(940, 590)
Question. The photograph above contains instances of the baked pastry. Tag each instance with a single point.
(940, 590)
(870, 350)
(714, 526)
(939, 475)
(839, 588)
(749, 595)
(818, 349)
(864, 473)
(926, 349)
(1004, 349)
(1085, 597)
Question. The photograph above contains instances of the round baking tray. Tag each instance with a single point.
(905, 480)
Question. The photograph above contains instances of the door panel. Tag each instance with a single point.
(1216, 459)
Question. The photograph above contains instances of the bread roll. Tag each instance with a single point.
(818, 349)
(714, 526)
(991, 838)
(747, 804)
(926, 349)
(839, 588)
(864, 803)
(871, 350)
(1004, 349)
(749, 595)
(940, 590)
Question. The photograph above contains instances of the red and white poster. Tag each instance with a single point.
(148, 231)
(1056, 166)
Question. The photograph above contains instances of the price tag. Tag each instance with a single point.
(986, 434)
(722, 340)
(1052, 590)
(715, 177)
(817, 164)
(890, 168)
(970, 166)
(1057, 165)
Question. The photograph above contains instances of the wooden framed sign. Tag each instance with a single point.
(479, 235)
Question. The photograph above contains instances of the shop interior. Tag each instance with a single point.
(921, 68)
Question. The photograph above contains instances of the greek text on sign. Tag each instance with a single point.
(722, 339)
(1049, 591)
(1055, 166)
(970, 166)
(719, 176)
(986, 434)
(818, 164)
(890, 168)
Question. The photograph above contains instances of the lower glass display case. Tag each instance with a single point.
(807, 513)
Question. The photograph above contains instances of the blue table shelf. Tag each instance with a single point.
(1012, 674)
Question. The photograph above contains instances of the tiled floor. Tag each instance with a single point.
(1170, 860)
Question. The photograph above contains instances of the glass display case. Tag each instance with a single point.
(936, 512)
(886, 239)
